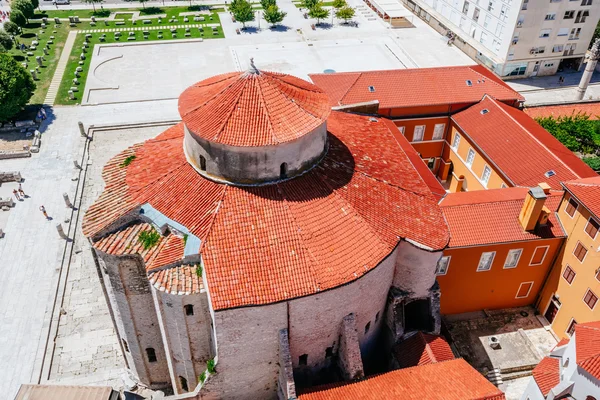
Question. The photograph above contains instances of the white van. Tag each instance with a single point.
(61, 2)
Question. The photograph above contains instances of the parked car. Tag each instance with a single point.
(61, 2)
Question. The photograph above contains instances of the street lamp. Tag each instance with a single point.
(258, 13)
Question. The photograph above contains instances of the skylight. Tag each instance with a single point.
(469, 83)
(371, 89)
(550, 173)
(484, 111)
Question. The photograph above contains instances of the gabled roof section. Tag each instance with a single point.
(255, 108)
(587, 191)
(421, 349)
(587, 347)
(520, 148)
(449, 380)
(566, 110)
(415, 87)
(492, 216)
(547, 374)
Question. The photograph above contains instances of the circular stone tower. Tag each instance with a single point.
(254, 127)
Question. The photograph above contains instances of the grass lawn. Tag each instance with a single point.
(148, 11)
(67, 82)
(298, 4)
(49, 66)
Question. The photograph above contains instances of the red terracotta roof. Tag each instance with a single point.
(253, 108)
(561, 343)
(587, 347)
(422, 348)
(274, 242)
(565, 110)
(492, 216)
(177, 280)
(168, 250)
(520, 148)
(414, 87)
(449, 380)
(547, 374)
(587, 191)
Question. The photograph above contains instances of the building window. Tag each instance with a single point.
(483, 38)
(418, 133)
(431, 163)
(151, 354)
(438, 131)
(569, 14)
(283, 170)
(524, 290)
(485, 176)
(202, 163)
(512, 259)
(189, 309)
(581, 16)
(550, 17)
(544, 33)
(485, 262)
(539, 255)
(329, 352)
(563, 32)
(465, 7)
(499, 30)
(558, 48)
(571, 208)
(491, 6)
(470, 157)
(571, 329)
(525, 3)
(402, 129)
(442, 265)
(476, 14)
(184, 385)
(504, 13)
(367, 327)
(569, 274)
(586, 2)
(303, 359)
(580, 251)
(575, 32)
(592, 228)
(590, 299)
(125, 345)
(456, 141)
(486, 21)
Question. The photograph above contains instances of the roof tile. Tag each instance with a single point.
(547, 374)
(586, 191)
(422, 349)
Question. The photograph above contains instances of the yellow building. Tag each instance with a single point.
(571, 292)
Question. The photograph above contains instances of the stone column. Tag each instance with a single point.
(592, 60)
(350, 360)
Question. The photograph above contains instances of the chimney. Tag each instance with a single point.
(533, 208)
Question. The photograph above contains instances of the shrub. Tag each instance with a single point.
(210, 365)
(202, 377)
(148, 239)
(16, 89)
(593, 162)
(12, 28)
(199, 271)
(152, 11)
(6, 42)
(18, 18)
(102, 13)
(128, 160)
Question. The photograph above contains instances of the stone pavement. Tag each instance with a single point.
(60, 69)
(31, 252)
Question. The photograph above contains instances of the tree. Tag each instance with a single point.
(93, 3)
(267, 3)
(18, 18)
(577, 132)
(25, 6)
(309, 4)
(337, 4)
(318, 13)
(143, 1)
(35, 3)
(593, 162)
(274, 15)
(12, 28)
(16, 89)
(345, 13)
(6, 42)
(243, 12)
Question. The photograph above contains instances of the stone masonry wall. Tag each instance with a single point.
(286, 387)
(350, 361)
(415, 269)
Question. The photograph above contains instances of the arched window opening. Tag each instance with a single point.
(303, 359)
(189, 309)
(184, 385)
(151, 354)
(283, 170)
(202, 163)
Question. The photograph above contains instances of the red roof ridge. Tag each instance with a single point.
(546, 374)
(340, 101)
(498, 104)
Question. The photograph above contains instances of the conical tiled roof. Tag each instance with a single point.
(253, 108)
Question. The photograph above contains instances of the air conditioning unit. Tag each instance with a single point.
(519, 24)
(515, 41)
(532, 51)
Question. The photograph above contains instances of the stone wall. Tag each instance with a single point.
(286, 387)
(350, 360)
(131, 299)
(415, 269)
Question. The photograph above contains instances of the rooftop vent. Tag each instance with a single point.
(371, 89)
(484, 111)
(469, 83)
(550, 173)
(373, 119)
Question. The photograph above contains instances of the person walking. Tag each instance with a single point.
(16, 194)
(43, 210)
(21, 191)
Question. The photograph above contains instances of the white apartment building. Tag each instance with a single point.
(516, 38)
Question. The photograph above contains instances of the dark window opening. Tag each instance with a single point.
(303, 359)
(367, 327)
(283, 170)
(184, 385)
(329, 352)
(202, 163)
(189, 309)
(151, 354)
(125, 345)
(377, 317)
(417, 316)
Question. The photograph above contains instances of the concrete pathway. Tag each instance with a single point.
(60, 68)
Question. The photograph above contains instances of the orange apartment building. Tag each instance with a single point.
(572, 290)
(485, 159)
